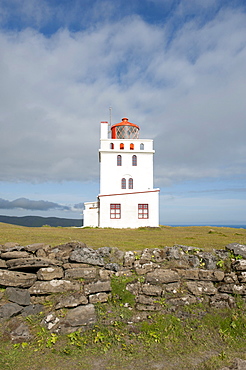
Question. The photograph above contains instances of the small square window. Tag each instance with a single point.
(143, 211)
(115, 211)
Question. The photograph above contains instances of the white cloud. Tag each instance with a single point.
(187, 93)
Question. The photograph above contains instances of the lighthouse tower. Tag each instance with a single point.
(127, 198)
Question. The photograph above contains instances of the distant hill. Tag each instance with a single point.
(37, 221)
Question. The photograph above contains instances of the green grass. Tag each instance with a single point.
(196, 338)
(162, 341)
(125, 239)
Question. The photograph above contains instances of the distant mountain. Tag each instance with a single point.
(37, 221)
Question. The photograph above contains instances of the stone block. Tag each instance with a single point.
(161, 276)
(72, 300)
(237, 249)
(50, 273)
(81, 316)
(61, 252)
(174, 253)
(14, 255)
(98, 286)
(129, 259)
(233, 289)
(51, 321)
(105, 275)
(201, 287)
(71, 265)
(3, 264)
(149, 300)
(81, 273)
(240, 265)
(221, 300)
(142, 269)
(208, 259)
(242, 277)
(191, 274)
(32, 309)
(9, 310)
(152, 290)
(36, 246)
(30, 263)
(112, 266)
(146, 256)
(230, 278)
(172, 287)
(116, 255)
(87, 255)
(54, 286)
(133, 288)
(194, 261)
(18, 295)
(17, 279)
(98, 297)
(182, 301)
(211, 275)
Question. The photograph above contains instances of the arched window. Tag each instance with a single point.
(134, 160)
(119, 160)
(141, 146)
(123, 183)
(131, 146)
(111, 145)
(130, 183)
(121, 146)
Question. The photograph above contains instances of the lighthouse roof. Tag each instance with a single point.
(125, 122)
(125, 130)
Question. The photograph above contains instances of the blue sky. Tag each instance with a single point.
(175, 68)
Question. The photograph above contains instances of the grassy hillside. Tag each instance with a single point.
(126, 239)
(37, 221)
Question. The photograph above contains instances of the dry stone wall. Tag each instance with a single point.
(75, 277)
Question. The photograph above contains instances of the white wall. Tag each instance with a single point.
(91, 214)
(111, 174)
(129, 210)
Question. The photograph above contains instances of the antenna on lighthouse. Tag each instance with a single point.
(110, 119)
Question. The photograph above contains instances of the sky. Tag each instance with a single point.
(176, 68)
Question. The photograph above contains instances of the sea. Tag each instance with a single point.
(211, 225)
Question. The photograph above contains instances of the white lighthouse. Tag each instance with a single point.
(127, 198)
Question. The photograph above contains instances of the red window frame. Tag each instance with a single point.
(115, 211)
(130, 183)
(121, 146)
(143, 211)
(131, 146)
(134, 160)
(119, 160)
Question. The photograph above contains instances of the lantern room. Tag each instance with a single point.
(125, 130)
